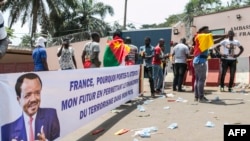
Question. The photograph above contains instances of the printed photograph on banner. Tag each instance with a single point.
(39, 105)
(35, 123)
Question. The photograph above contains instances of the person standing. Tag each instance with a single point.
(203, 40)
(4, 41)
(132, 56)
(66, 56)
(180, 53)
(116, 51)
(90, 54)
(39, 55)
(146, 53)
(229, 59)
(156, 62)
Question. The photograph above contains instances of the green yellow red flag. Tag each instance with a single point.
(115, 53)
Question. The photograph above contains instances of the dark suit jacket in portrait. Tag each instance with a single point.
(46, 117)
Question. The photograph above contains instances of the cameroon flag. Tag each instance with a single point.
(203, 42)
(115, 53)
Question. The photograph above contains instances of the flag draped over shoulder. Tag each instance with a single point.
(202, 43)
(115, 53)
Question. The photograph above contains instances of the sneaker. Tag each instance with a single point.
(203, 100)
(230, 90)
(153, 96)
(141, 95)
(158, 91)
(196, 99)
(181, 90)
(222, 89)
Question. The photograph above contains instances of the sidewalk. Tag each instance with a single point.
(191, 117)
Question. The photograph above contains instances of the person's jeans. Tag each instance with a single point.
(232, 67)
(200, 78)
(157, 76)
(180, 69)
(149, 72)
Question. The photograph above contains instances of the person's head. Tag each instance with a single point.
(66, 42)
(28, 91)
(161, 42)
(128, 40)
(117, 34)
(95, 37)
(204, 29)
(230, 34)
(183, 40)
(41, 42)
(147, 41)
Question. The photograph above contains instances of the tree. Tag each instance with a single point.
(87, 14)
(35, 11)
(246, 2)
(25, 41)
(10, 32)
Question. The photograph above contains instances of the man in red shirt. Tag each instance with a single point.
(156, 62)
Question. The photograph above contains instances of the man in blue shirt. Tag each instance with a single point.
(147, 52)
(39, 55)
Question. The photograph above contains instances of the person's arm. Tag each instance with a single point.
(148, 56)
(241, 51)
(218, 38)
(45, 64)
(166, 56)
(43, 55)
(74, 60)
(136, 55)
(96, 51)
(158, 54)
(217, 49)
(83, 56)
(60, 51)
(96, 60)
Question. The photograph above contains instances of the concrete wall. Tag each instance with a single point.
(228, 20)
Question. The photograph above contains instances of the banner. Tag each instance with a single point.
(60, 102)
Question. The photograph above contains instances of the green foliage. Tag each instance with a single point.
(25, 41)
(87, 15)
(10, 32)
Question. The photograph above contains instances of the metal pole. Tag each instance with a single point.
(125, 15)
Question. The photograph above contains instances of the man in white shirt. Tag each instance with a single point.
(180, 53)
(229, 58)
(66, 56)
(91, 52)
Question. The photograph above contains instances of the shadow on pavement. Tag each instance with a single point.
(230, 102)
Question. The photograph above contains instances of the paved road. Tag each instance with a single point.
(191, 117)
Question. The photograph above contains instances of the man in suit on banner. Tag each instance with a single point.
(35, 123)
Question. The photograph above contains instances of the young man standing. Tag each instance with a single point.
(39, 55)
(66, 56)
(156, 62)
(229, 58)
(91, 52)
(132, 56)
(180, 53)
(203, 40)
(146, 53)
